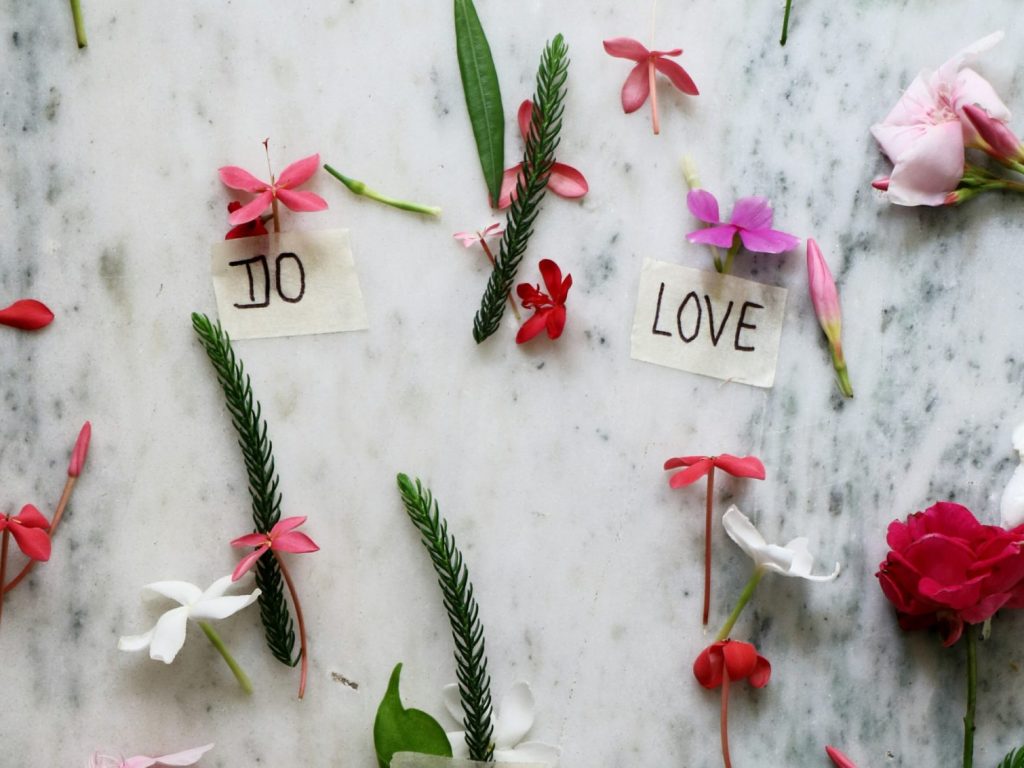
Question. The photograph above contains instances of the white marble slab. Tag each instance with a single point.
(546, 458)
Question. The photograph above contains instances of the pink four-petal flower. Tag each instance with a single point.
(282, 188)
(564, 180)
(282, 538)
(30, 532)
(751, 221)
(640, 83)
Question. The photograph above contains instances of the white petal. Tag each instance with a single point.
(1011, 506)
(743, 532)
(948, 70)
(188, 757)
(537, 752)
(772, 557)
(457, 740)
(135, 642)
(180, 591)
(803, 562)
(1018, 440)
(169, 635)
(453, 702)
(514, 716)
(218, 588)
(222, 607)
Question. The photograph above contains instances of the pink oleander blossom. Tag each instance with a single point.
(282, 188)
(926, 133)
(750, 223)
(282, 538)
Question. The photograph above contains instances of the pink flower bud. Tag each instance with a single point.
(80, 451)
(825, 299)
(841, 760)
(881, 184)
(999, 140)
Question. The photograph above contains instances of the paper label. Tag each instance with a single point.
(707, 323)
(287, 284)
(416, 760)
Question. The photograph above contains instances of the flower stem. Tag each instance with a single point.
(6, 540)
(214, 638)
(65, 497)
(839, 363)
(511, 301)
(304, 651)
(725, 717)
(785, 23)
(76, 14)
(972, 694)
(709, 508)
(654, 97)
(360, 188)
(745, 595)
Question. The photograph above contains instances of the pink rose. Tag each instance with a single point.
(945, 568)
(926, 132)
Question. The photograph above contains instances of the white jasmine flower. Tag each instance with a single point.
(794, 559)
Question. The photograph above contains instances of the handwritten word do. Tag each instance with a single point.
(258, 270)
(690, 319)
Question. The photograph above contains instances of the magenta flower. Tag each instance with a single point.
(640, 83)
(750, 223)
(825, 299)
(282, 538)
(564, 180)
(283, 189)
(549, 308)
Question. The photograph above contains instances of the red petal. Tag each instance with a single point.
(34, 542)
(26, 314)
(626, 48)
(837, 757)
(296, 541)
(762, 673)
(684, 461)
(298, 172)
(30, 517)
(556, 322)
(252, 209)
(531, 296)
(565, 181)
(508, 186)
(740, 659)
(532, 326)
(250, 540)
(691, 475)
(247, 562)
(679, 77)
(708, 666)
(301, 200)
(746, 466)
(80, 451)
(288, 524)
(524, 117)
(239, 178)
(552, 275)
(636, 89)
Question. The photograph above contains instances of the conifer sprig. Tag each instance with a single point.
(463, 613)
(541, 142)
(257, 449)
(1013, 760)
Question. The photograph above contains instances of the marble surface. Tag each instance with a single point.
(546, 458)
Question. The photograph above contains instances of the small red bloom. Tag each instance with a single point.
(26, 314)
(282, 538)
(549, 308)
(698, 466)
(28, 528)
(246, 229)
(840, 760)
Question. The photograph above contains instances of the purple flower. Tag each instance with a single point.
(751, 221)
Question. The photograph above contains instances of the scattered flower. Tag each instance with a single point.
(513, 719)
(1011, 506)
(188, 757)
(252, 228)
(927, 131)
(946, 569)
(28, 528)
(793, 560)
(641, 80)
(549, 308)
(726, 661)
(825, 299)
(282, 538)
(26, 315)
(749, 225)
(838, 758)
(564, 180)
(469, 239)
(267, 194)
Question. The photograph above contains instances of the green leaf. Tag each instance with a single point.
(397, 729)
(1014, 760)
(483, 96)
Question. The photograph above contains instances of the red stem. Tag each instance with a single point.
(725, 716)
(302, 623)
(3, 565)
(707, 543)
(65, 497)
(654, 97)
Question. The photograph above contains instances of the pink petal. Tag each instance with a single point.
(524, 117)
(684, 461)
(288, 524)
(838, 758)
(566, 181)
(930, 169)
(555, 322)
(752, 213)
(691, 474)
(533, 326)
(34, 542)
(737, 466)
(250, 540)
(301, 201)
(252, 209)
(188, 757)
(552, 275)
(296, 541)
(298, 172)
(493, 230)
(508, 186)
(768, 240)
(26, 314)
(947, 71)
(822, 287)
(897, 139)
(248, 562)
(238, 178)
(673, 52)
(703, 205)
(721, 236)
(467, 238)
(679, 77)
(626, 48)
(80, 451)
(31, 517)
(636, 89)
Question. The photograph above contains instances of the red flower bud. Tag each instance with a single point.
(80, 451)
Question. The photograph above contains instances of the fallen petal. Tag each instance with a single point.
(26, 314)
(566, 181)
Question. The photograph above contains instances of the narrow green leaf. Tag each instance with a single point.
(483, 96)
(1014, 759)
(397, 729)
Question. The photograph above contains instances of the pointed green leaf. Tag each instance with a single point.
(483, 96)
(397, 729)
(1014, 760)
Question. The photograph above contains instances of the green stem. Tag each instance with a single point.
(76, 14)
(972, 694)
(745, 595)
(733, 250)
(785, 23)
(240, 676)
(360, 188)
(839, 363)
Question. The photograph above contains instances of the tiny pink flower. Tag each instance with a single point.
(469, 239)
(750, 223)
(641, 82)
(283, 189)
(282, 538)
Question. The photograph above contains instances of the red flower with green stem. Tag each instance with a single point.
(697, 467)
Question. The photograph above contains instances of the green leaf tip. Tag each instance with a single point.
(397, 729)
(1015, 759)
(482, 92)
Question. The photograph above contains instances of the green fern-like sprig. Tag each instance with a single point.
(463, 613)
(246, 416)
(541, 142)
(1013, 760)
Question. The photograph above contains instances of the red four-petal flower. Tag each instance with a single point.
(28, 528)
(549, 308)
(698, 466)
